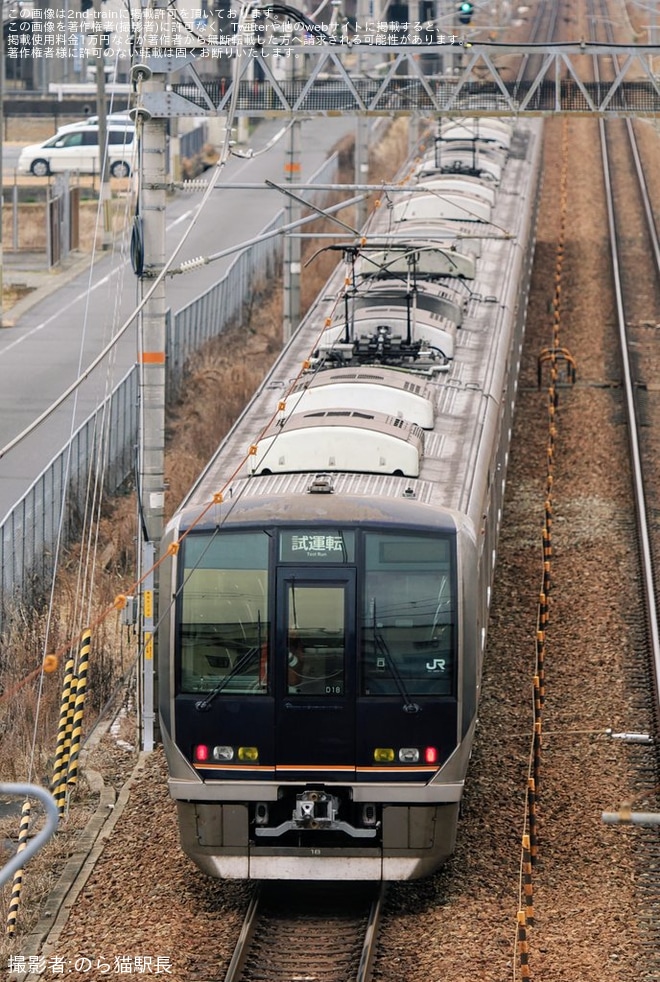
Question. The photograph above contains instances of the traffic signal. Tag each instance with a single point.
(465, 11)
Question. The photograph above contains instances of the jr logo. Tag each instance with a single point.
(437, 665)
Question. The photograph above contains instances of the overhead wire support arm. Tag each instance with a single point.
(321, 212)
(185, 267)
(399, 86)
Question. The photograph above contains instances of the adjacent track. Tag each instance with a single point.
(621, 205)
(635, 251)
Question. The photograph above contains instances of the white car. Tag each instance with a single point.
(77, 149)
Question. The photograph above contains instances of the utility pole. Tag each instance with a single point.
(152, 369)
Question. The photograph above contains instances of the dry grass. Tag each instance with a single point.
(12, 293)
(219, 381)
(33, 129)
(29, 232)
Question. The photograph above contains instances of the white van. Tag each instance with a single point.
(77, 149)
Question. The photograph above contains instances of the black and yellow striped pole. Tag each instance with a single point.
(546, 578)
(17, 882)
(528, 885)
(533, 823)
(79, 708)
(537, 697)
(536, 755)
(523, 946)
(61, 751)
(540, 668)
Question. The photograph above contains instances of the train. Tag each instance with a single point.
(325, 610)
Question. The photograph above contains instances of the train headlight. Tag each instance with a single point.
(248, 753)
(409, 755)
(383, 755)
(223, 753)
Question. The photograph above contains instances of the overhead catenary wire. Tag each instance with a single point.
(65, 483)
(96, 478)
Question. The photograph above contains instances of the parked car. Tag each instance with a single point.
(76, 148)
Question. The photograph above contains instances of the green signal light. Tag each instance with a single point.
(465, 12)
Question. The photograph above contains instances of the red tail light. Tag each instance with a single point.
(431, 755)
(201, 753)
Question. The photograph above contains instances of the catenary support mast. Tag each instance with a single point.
(151, 356)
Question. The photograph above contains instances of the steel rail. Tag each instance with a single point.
(644, 191)
(551, 11)
(368, 956)
(248, 927)
(641, 506)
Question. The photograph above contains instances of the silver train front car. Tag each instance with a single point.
(324, 624)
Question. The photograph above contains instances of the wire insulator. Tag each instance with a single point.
(191, 264)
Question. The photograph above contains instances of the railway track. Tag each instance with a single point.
(635, 250)
(324, 932)
(641, 415)
(635, 271)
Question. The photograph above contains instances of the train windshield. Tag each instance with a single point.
(408, 616)
(224, 613)
(373, 611)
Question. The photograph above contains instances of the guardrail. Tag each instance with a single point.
(18, 861)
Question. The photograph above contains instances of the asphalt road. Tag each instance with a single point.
(49, 345)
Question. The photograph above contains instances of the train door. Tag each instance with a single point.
(315, 670)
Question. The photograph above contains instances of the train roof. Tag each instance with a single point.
(390, 396)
